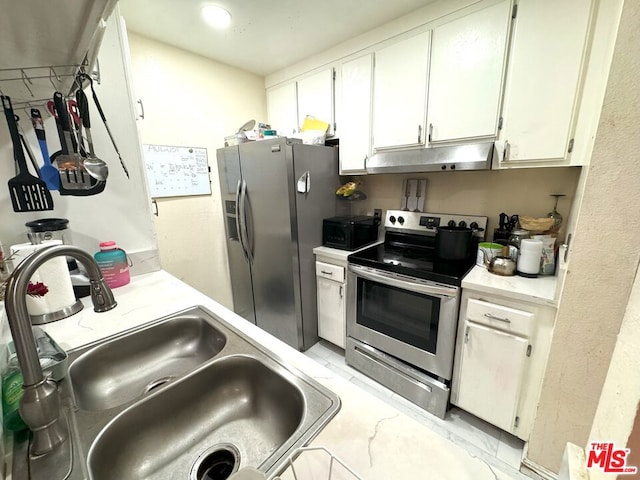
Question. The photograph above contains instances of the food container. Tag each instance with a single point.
(236, 139)
(517, 236)
(486, 252)
(529, 257)
(548, 260)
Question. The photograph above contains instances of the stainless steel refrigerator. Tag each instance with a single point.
(275, 194)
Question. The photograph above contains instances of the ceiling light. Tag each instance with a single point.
(216, 16)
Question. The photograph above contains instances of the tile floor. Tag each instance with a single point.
(480, 439)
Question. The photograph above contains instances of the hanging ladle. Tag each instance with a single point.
(95, 167)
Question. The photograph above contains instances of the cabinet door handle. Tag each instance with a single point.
(419, 133)
(466, 334)
(366, 157)
(341, 287)
(141, 108)
(430, 132)
(490, 316)
(326, 273)
(507, 151)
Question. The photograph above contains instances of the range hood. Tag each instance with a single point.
(474, 156)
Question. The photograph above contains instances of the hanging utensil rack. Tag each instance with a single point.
(37, 84)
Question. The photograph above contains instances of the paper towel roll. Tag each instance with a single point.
(53, 273)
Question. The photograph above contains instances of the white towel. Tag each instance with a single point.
(53, 273)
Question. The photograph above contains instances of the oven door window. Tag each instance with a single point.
(404, 315)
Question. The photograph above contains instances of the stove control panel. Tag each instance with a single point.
(427, 223)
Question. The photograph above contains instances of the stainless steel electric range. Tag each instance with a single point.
(402, 307)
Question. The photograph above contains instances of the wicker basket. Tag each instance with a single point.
(536, 224)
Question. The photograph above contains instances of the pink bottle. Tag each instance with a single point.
(113, 264)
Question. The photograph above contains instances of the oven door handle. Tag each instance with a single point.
(403, 283)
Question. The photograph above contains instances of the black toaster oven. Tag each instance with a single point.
(350, 232)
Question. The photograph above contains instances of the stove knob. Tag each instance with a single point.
(401, 220)
(462, 224)
(474, 225)
(451, 223)
(392, 219)
(452, 167)
(443, 167)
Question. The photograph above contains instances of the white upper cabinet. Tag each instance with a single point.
(355, 114)
(466, 71)
(282, 108)
(400, 89)
(315, 97)
(543, 79)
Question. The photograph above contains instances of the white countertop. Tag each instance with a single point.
(338, 254)
(374, 439)
(541, 290)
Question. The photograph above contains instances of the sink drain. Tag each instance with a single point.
(216, 463)
(153, 386)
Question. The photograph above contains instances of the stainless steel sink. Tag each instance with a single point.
(225, 403)
(236, 400)
(129, 367)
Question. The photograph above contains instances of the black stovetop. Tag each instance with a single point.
(415, 257)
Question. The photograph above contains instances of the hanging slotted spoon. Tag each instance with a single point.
(95, 167)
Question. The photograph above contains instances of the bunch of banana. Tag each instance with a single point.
(347, 189)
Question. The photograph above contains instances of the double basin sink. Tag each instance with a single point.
(185, 397)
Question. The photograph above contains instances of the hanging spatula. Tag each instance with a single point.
(48, 172)
(28, 193)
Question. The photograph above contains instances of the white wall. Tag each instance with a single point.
(488, 193)
(620, 398)
(190, 100)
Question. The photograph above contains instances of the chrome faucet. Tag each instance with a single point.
(39, 406)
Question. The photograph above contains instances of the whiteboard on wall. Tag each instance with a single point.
(176, 171)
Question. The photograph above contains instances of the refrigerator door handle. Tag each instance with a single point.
(304, 183)
(244, 233)
(238, 223)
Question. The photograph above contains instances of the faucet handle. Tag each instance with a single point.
(102, 296)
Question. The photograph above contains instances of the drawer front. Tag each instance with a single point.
(504, 318)
(332, 272)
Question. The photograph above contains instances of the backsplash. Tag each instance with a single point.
(487, 193)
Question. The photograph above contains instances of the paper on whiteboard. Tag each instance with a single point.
(176, 171)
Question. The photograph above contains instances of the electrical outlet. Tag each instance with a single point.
(377, 213)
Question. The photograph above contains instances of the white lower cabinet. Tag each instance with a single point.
(501, 354)
(491, 370)
(331, 284)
